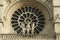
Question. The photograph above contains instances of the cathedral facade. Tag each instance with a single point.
(29, 19)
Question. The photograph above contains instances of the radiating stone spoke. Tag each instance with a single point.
(41, 23)
(42, 26)
(33, 9)
(14, 25)
(41, 19)
(30, 8)
(14, 18)
(39, 29)
(19, 30)
(41, 16)
(16, 28)
(36, 11)
(23, 9)
(36, 31)
(33, 18)
(25, 15)
(38, 14)
(14, 15)
(17, 13)
(13, 22)
(26, 8)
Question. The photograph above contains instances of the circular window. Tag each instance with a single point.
(28, 20)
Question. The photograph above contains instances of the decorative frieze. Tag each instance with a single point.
(19, 37)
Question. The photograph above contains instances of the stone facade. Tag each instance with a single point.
(5, 3)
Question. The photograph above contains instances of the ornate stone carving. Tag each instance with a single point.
(56, 17)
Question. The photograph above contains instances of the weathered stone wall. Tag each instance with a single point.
(57, 18)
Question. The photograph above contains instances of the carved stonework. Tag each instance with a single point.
(12, 11)
(57, 18)
(49, 3)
